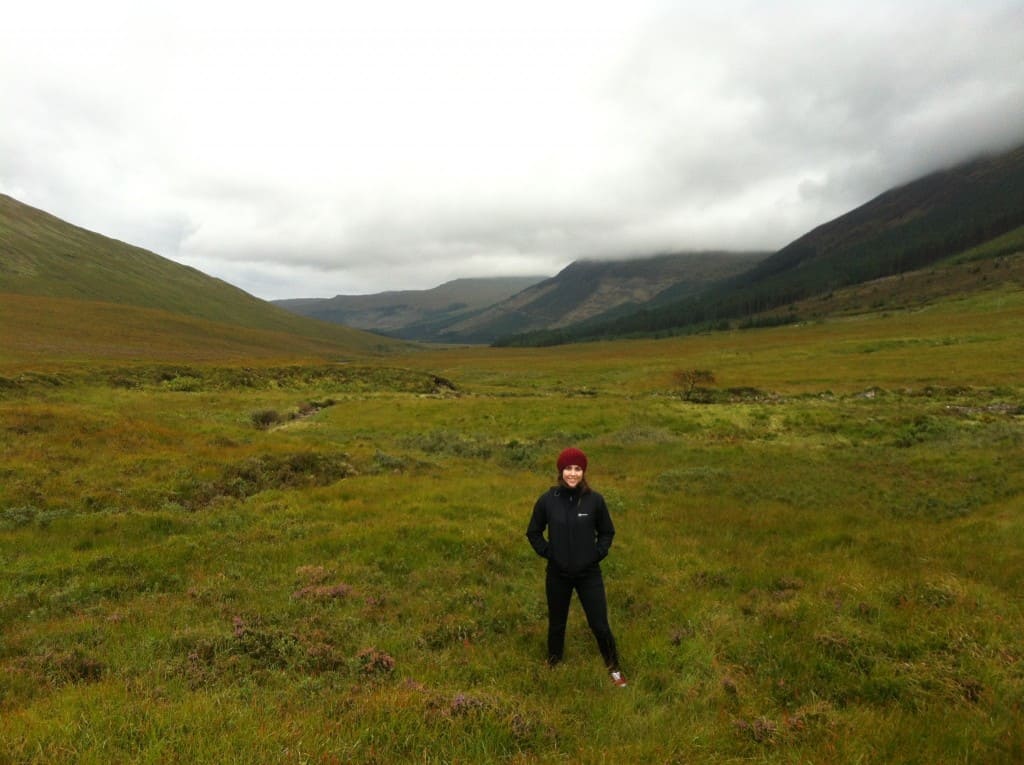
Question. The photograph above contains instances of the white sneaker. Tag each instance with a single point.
(617, 679)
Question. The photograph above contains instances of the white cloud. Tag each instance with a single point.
(317, 148)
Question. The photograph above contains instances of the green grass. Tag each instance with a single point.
(88, 280)
(1010, 243)
(42, 333)
(824, 565)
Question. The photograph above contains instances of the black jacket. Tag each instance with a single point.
(579, 528)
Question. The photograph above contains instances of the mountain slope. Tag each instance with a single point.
(588, 290)
(396, 311)
(43, 256)
(44, 330)
(472, 311)
(901, 230)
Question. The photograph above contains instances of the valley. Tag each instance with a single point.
(302, 560)
(233, 533)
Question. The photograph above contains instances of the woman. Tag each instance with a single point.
(580, 531)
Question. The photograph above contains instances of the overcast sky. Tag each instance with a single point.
(307, 149)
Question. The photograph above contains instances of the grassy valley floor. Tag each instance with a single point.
(820, 555)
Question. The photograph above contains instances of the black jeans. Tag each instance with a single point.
(589, 585)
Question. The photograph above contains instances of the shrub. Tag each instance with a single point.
(72, 667)
(760, 730)
(375, 662)
(265, 418)
(690, 383)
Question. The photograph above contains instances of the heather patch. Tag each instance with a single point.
(264, 472)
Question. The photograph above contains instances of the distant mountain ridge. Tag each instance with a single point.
(903, 229)
(474, 311)
(394, 311)
(587, 290)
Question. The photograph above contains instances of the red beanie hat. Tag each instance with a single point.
(572, 456)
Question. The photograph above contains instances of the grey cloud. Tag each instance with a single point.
(848, 100)
(734, 125)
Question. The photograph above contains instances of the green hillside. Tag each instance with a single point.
(592, 290)
(43, 331)
(905, 229)
(43, 256)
